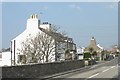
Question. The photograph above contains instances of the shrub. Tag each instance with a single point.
(87, 55)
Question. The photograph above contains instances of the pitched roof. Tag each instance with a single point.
(93, 45)
(4, 50)
(57, 36)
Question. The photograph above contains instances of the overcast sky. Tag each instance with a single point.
(80, 20)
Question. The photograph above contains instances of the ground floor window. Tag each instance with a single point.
(21, 59)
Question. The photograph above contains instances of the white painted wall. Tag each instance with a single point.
(100, 46)
(46, 26)
(31, 31)
(80, 51)
(0, 60)
(6, 59)
(80, 57)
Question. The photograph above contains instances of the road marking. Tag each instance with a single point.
(108, 69)
(112, 66)
(102, 71)
(94, 75)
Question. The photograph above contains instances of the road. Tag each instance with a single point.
(106, 70)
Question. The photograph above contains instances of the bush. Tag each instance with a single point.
(97, 58)
(87, 55)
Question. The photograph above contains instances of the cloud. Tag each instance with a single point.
(74, 6)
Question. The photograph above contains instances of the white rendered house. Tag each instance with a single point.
(80, 52)
(32, 29)
(34, 26)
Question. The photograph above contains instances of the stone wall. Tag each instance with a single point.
(40, 70)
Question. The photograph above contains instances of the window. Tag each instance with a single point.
(21, 58)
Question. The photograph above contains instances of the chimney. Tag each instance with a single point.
(34, 16)
(33, 22)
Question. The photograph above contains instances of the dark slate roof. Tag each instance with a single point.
(57, 36)
(4, 50)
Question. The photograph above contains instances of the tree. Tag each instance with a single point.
(91, 50)
(68, 56)
(40, 48)
(93, 53)
(87, 55)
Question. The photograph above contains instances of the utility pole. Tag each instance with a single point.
(11, 53)
(14, 52)
(67, 43)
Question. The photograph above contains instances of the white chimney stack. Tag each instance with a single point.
(33, 22)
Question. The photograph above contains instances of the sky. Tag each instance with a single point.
(80, 20)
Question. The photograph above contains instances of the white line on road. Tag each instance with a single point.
(102, 71)
(112, 66)
(94, 75)
(108, 69)
(105, 70)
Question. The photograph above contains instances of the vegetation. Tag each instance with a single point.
(68, 56)
(41, 48)
(91, 50)
(87, 55)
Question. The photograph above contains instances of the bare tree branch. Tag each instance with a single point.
(41, 48)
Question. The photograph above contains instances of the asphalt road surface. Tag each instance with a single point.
(102, 71)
